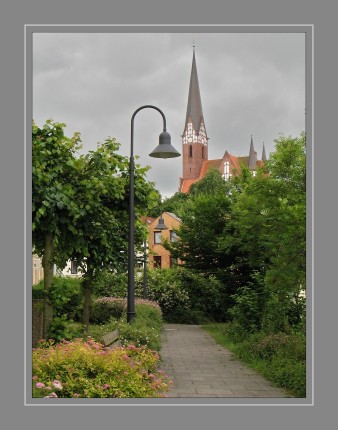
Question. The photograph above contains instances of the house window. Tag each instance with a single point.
(172, 261)
(157, 237)
(157, 262)
(73, 267)
(173, 236)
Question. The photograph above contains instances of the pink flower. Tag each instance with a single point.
(106, 386)
(34, 377)
(57, 384)
(40, 385)
(51, 396)
(76, 395)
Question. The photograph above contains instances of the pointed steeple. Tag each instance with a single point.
(252, 156)
(194, 107)
(263, 153)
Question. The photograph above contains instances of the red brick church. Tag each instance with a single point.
(195, 144)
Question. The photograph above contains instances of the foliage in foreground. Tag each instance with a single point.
(279, 357)
(84, 368)
(144, 331)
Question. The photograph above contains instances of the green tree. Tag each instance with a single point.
(53, 196)
(102, 228)
(269, 228)
(80, 206)
(175, 204)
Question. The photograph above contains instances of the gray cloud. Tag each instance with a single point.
(250, 84)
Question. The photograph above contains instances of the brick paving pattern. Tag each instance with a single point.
(199, 367)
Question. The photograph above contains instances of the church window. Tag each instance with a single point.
(202, 152)
(190, 151)
(226, 174)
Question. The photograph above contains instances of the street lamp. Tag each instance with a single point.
(163, 150)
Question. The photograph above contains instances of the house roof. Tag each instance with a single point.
(168, 213)
(147, 219)
(174, 216)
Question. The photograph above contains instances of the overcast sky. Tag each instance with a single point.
(251, 84)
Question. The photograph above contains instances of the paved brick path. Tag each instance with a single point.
(201, 368)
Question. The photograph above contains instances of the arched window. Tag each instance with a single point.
(226, 174)
(190, 151)
(202, 152)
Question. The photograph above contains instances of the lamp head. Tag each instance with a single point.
(164, 149)
(161, 225)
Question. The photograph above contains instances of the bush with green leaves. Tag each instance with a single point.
(105, 308)
(207, 296)
(65, 294)
(165, 288)
(85, 369)
(279, 356)
(143, 331)
(111, 284)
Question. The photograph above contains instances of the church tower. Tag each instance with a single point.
(194, 138)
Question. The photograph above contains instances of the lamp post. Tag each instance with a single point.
(163, 150)
(145, 260)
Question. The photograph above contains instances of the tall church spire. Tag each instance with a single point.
(263, 153)
(194, 138)
(252, 156)
(194, 107)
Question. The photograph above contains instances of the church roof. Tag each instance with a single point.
(194, 107)
(263, 153)
(208, 164)
(186, 184)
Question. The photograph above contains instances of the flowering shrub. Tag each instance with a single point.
(84, 368)
(165, 288)
(105, 308)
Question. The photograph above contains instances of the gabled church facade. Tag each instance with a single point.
(195, 144)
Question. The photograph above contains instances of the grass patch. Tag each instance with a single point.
(280, 357)
(143, 331)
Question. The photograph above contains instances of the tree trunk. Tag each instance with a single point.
(47, 265)
(87, 285)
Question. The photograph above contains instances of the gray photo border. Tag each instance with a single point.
(308, 31)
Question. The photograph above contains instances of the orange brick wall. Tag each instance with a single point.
(157, 249)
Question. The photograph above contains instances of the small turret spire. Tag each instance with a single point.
(263, 153)
(252, 156)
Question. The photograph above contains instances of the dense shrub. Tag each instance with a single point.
(280, 357)
(248, 308)
(84, 368)
(165, 288)
(65, 294)
(109, 284)
(207, 296)
(105, 308)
